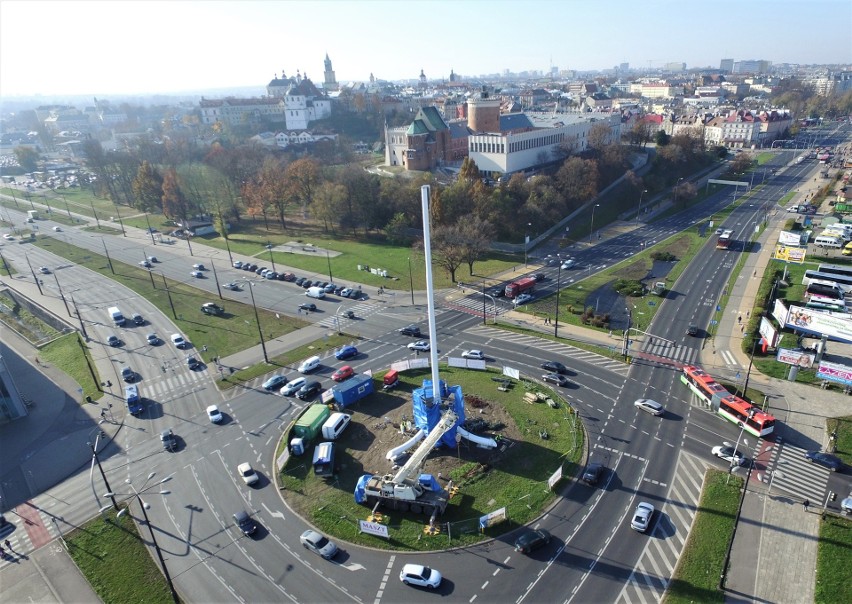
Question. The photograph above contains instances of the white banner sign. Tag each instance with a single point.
(374, 528)
(492, 518)
(780, 312)
(768, 332)
(554, 478)
(836, 326)
(788, 238)
(512, 373)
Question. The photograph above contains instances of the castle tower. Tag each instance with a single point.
(329, 82)
(483, 112)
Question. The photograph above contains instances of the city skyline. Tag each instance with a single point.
(129, 48)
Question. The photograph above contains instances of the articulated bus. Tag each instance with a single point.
(725, 239)
(730, 407)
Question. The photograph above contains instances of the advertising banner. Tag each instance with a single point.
(788, 238)
(836, 326)
(786, 253)
(554, 478)
(803, 359)
(835, 373)
(780, 312)
(374, 528)
(492, 518)
(768, 331)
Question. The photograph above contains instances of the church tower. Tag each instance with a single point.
(329, 83)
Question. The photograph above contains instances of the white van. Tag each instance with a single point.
(309, 365)
(828, 241)
(116, 316)
(334, 425)
(838, 231)
(315, 292)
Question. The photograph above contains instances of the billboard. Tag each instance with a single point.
(788, 238)
(803, 359)
(836, 326)
(786, 253)
(835, 372)
(769, 333)
(780, 312)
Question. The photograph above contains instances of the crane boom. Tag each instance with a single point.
(447, 421)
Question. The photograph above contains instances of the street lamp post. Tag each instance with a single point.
(328, 260)
(257, 318)
(150, 232)
(410, 281)
(80, 317)
(558, 284)
(118, 213)
(138, 495)
(527, 243)
(676, 190)
(592, 225)
(751, 413)
(94, 447)
(269, 247)
(639, 207)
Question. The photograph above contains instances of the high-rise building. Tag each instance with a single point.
(726, 65)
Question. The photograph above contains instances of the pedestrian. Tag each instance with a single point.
(740, 319)
(8, 545)
(742, 328)
(748, 314)
(805, 505)
(2, 553)
(754, 274)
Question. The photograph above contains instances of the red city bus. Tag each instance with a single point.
(730, 407)
(725, 239)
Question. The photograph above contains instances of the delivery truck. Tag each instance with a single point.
(309, 425)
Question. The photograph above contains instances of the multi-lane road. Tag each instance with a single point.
(595, 556)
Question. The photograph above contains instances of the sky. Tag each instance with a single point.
(128, 47)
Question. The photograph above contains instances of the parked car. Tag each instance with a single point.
(245, 522)
(319, 544)
(531, 540)
(825, 460)
(214, 414)
(554, 367)
(238, 264)
(421, 576)
(473, 354)
(556, 378)
(246, 472)
(593, 472)
(293, 387)
(729, 454)
(299, 280)
(346, 352)
(287, 277)
(642, 517)
(648, 406)
(274, 382)
(343, 373)
(346, 291)
(309, 390)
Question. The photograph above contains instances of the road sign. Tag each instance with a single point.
(714, 322)
(718, 308)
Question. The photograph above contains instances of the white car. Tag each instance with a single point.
(145, 263)
(238, 264)
(8, 237)
(293, 387)
(648, 406)
(642, 517)
(232, 286)
(568, 264)
(44, 270)
(196, 274)
(199, 267)
(57, 229)
(419, 345)
(473, 354)
(152, 259)
(178, 340)
(422, 576)
(248, 475)
(214, 414)
(728, 453)
(522, 299)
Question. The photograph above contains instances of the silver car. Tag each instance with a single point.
(318, 544)
(648, 406)
(642, 517)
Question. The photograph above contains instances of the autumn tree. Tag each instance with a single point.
(27, 157)
(469, 171)
(175, 203)
(148, 188)
(302, 178)
(477, 235)
(329, 203)
(448, 249)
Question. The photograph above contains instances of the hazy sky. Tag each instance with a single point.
(125, 47)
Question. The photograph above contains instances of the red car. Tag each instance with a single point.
(343, 373)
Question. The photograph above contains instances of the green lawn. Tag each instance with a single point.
(517, 480)
(70, 354)
(842, 426)
(834, 559)
(696, 577)
(110, 554)
(223, 335)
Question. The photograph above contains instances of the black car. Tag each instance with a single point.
(593, 473)
(250, 267)
(554, 366)
(555, 378)
(192, 363)
(307, 283)
(245, 522)
(825, 460)
(410, 330)
(692, 330)
(309, 390)
(167, 437)
(496, 292)
(539, 276)
(280, 276)
(308, 306)
(531, 540)
(299, 281)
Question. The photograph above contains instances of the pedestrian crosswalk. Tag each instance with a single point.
(174, 383)
(788, 470)
(472, 305)
(33, 529)
(666, 351)
(651, 575)
(557, 348)
(361, 312)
